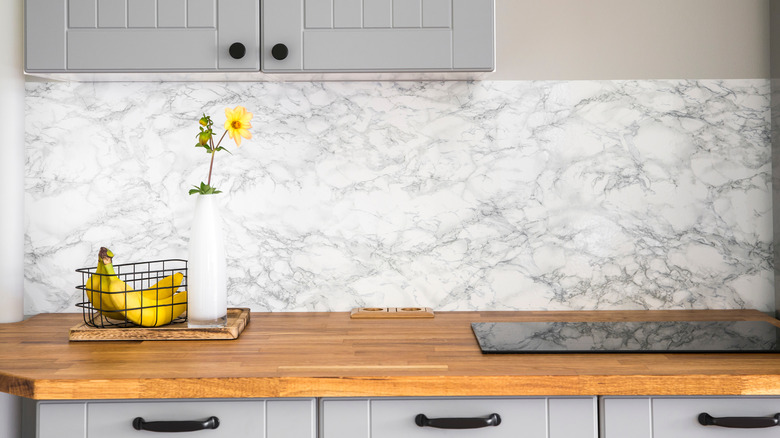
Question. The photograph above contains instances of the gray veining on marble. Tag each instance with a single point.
(626, 336)
(452, 195)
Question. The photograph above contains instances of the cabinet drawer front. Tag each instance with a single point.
(519, 417)
(522, 417)
(246, 418)
(677, 417)
(236, 418)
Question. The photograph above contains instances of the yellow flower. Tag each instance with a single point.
(237, 123)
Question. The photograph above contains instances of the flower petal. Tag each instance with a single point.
(237, 123)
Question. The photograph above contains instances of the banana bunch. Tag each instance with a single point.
(115, 299)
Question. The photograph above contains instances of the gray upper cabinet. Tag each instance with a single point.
(298, 36)
(378, 35)
(142, 35)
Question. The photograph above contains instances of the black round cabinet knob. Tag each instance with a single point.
(237, 50)
(279, 52)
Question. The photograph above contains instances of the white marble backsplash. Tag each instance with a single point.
(454, 195)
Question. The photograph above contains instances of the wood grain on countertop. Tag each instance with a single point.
(331, 355)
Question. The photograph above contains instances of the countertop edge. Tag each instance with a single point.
(384, 386)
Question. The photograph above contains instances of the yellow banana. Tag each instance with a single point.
(152, 307)
(149, 312)
(159, 291)
(102, 282)
(100, 287)
(164, 288)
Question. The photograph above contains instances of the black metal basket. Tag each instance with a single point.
(139, 295)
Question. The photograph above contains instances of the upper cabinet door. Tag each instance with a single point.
(224, 35)
(142, 35)
(378, 35)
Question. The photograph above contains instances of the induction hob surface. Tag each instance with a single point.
(627, 337)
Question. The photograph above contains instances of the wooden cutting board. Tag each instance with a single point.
(238, 318)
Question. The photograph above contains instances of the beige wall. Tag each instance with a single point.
(632, 39)
(775, 40)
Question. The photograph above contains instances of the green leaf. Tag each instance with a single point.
(204, 189)
(208, 149)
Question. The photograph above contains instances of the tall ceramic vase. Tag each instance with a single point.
(206, 267)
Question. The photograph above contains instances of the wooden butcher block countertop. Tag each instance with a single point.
(331, 355)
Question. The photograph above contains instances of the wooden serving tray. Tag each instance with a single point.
(238, 318)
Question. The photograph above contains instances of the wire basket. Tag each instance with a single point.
(141, 294)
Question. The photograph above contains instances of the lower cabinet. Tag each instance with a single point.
(682, 417)
(249, 418)
(409, 417)
(527, 417)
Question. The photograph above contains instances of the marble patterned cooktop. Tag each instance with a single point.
(626, 337)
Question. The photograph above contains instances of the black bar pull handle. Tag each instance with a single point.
(457, 423)
(706, 419)
(175, 426)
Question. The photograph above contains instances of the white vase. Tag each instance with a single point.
(206, 267)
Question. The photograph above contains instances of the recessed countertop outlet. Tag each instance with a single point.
(391, 312)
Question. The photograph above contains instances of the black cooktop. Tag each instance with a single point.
(627, 337)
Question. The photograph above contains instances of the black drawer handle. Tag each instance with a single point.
(175, 426)
(706, 419)
(458, 423)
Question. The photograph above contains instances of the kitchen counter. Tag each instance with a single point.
(331, 355)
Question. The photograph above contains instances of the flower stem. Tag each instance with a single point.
(213, 151)
(211, 166)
